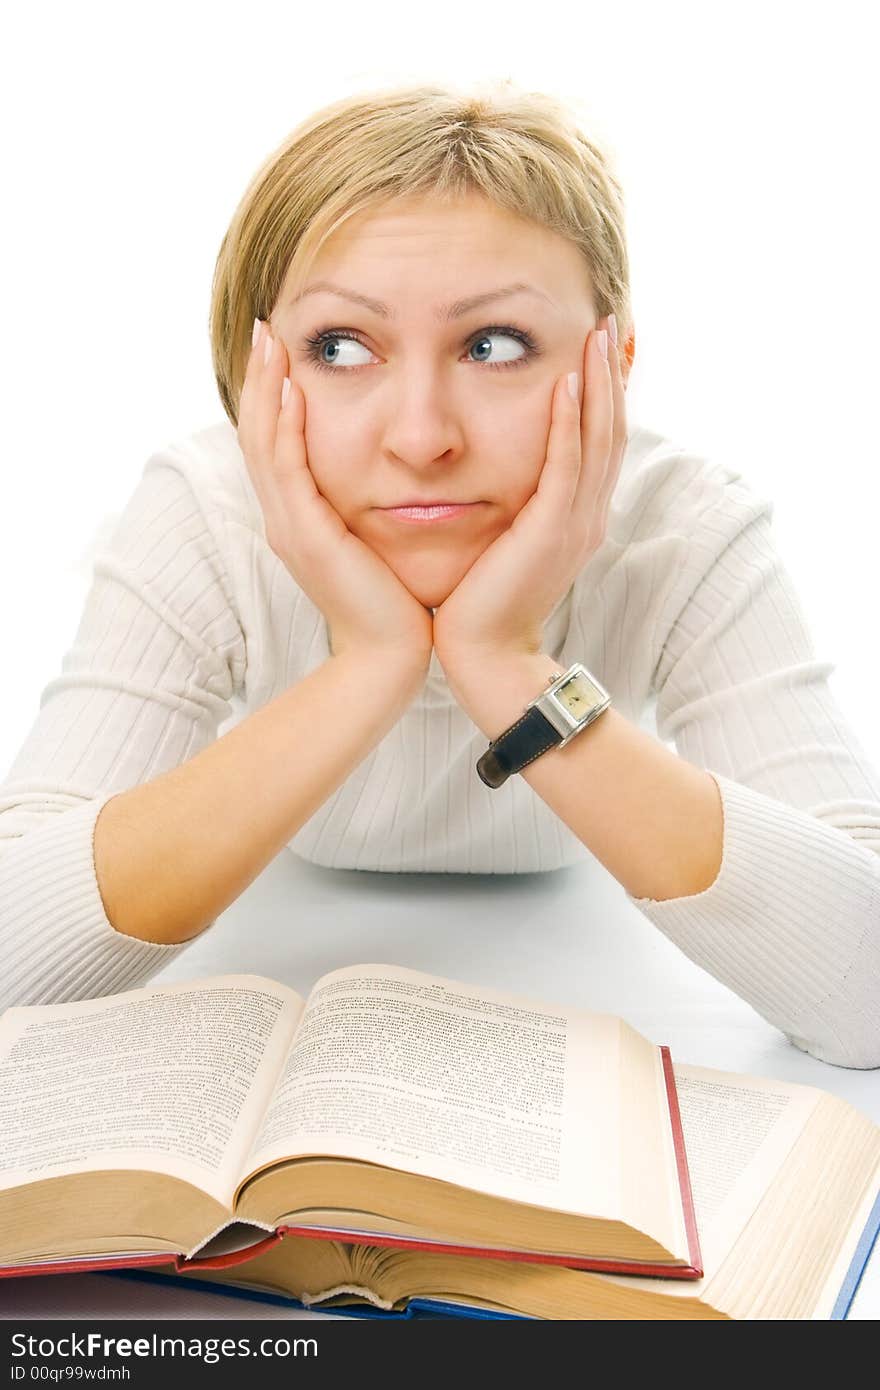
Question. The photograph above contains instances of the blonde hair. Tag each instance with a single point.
(524, 150)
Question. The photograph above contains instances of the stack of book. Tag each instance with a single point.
(399, 1144)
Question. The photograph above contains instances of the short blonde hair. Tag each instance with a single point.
(522, 149)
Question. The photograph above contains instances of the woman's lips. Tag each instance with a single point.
(434, 513)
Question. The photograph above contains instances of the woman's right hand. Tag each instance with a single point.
(365, 604)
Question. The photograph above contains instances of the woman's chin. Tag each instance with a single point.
(431, 585)
(430, 597)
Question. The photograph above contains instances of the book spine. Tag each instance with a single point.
(233, 1257)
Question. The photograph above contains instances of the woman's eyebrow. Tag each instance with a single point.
(443, 315)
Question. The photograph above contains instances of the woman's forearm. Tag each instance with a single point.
(652, 818)
(171, 854)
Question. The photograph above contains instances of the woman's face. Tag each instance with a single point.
(409, 405)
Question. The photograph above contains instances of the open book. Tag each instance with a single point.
(208, 1120)
(786, 1184)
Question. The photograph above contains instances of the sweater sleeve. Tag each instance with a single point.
(156, 657)
(792, 921)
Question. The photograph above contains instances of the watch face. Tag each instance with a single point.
(578, 695)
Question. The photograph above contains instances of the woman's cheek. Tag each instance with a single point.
(331, 460)
(519, 445)
(524, 472)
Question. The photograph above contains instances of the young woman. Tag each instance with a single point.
(405, 532)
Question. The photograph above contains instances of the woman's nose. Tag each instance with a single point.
(421, 431)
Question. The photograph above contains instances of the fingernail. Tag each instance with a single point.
(573, 385)
(612, 328)
(258, 324)
(267, 351)
(602, 342)
(285, 391)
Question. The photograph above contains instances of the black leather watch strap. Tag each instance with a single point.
(518, 746)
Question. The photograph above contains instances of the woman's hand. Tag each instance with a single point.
(366, 606)
(505, 598)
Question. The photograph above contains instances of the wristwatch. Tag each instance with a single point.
(574, 699)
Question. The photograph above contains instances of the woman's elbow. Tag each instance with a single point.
(860, 1051)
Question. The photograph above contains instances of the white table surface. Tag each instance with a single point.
(570, 937)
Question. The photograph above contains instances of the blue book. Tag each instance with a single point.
(415, 1308)
(858, 1264)
(439, 1308)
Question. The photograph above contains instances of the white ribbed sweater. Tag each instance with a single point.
(192, 620)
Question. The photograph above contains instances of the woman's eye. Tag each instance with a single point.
(483, 345)
(337, 346)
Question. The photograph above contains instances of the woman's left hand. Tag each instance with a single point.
(506, 597)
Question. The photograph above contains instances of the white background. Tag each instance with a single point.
(745, 136)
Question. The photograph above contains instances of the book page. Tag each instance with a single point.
(838, 1272)
(491, 1091)
(738, 1131)
(174, 1080)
